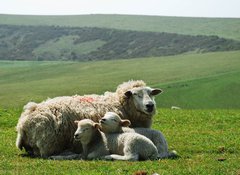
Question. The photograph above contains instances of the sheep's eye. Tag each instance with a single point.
(85, 129)
(139, 95)
(114, 120)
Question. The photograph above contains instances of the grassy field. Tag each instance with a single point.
(207, 140)
(223, 27)
(189, 81)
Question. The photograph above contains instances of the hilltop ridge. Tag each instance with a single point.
(84, 44)
(222, 27)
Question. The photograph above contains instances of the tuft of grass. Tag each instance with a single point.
(207, 141)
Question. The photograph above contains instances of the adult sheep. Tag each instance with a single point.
(47, 128)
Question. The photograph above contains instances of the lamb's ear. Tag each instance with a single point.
(76, 122)
(128, 94)
(156, 91)
(97, 126)
(125, 123)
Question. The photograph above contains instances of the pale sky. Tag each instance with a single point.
(195, 8)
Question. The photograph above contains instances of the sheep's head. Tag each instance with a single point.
(143, 99)
(111, 123)
(86, 130)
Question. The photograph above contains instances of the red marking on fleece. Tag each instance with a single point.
(86, 99)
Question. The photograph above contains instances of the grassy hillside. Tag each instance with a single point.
(207, 141)
(84, 44)
(189, 81)
(210, 92)
(222, 27)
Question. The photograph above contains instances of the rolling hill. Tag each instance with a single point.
(193, 79)
(84, 44)
(209, 80)
(222, 27)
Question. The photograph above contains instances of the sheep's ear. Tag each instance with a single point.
(125, 123)
(156, 91)
(76, 121)
(97, 126)
(128, 94)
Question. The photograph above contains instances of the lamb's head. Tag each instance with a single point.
(112, 123)
(143, 99)
(86, 130)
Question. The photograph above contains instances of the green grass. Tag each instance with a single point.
(223, 27)
(209, 92)
(189, 81)
(201, 137)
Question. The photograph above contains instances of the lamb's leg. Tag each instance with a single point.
(132, 157)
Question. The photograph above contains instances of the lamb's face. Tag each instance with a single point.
(143, 99)
(111, 122)
(85, 131)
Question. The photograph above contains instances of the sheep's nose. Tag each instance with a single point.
(150, 107)
(102, 120)
(76, 135)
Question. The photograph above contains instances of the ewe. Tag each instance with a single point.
(124, 146)
(47, 128)
(112, 123)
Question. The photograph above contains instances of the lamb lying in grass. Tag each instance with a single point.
(112, 123)
(94, 142)
(124, 146)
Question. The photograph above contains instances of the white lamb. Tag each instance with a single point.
(94, 142)
(47, 128)
(112, 123)
(124, 146)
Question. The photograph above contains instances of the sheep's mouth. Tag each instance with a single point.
(149, 110)
(77, 138)
(103, 124)
(146, 112)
